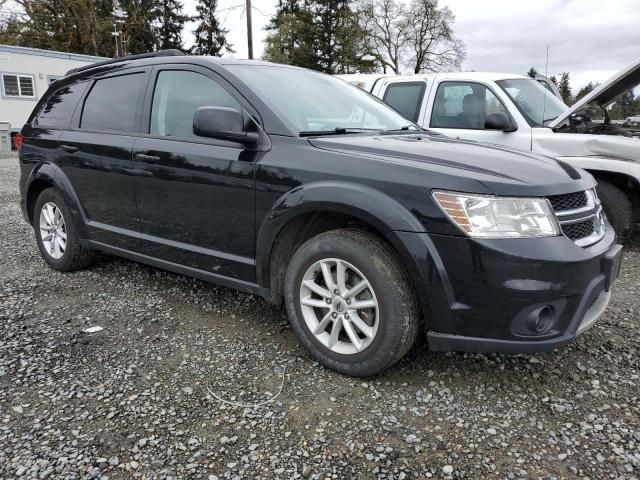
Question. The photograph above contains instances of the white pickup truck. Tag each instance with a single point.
(519, 112)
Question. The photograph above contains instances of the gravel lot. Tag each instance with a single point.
(138, 399)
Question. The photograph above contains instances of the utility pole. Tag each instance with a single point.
(118, 20)
(249, 30)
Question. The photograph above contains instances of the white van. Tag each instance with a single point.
(520, 112)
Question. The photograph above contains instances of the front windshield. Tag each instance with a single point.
(315, 102)
(538, 105)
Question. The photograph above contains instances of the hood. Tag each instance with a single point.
(622, 81)
(501, 170)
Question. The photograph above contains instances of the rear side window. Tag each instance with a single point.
(113, 104)
(177, 96)
(59, 108)
(405, 98)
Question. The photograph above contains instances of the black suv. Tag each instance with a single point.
(297, 186)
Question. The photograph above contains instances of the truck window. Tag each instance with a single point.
(59, 108)
(112, 104)
(177, 96)
(464, 105)
(405, 98)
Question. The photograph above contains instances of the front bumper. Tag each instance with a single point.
(458, 343)
(490, 295)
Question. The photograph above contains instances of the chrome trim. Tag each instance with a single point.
(596, 215)
(599, 229)
(592, 202)
(580, 219)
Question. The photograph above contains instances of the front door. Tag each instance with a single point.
(195, 195)
(460, 108)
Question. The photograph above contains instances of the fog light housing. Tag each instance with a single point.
(541, 319)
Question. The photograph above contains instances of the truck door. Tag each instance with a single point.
(405, 96)
(460, 108)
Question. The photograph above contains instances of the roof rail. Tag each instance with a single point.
(160, 53)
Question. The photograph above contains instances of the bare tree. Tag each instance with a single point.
(386, 23)
(434, 46)
(419, 37)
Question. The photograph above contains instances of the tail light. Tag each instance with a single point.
(17, 141)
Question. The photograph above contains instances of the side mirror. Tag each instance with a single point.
(499, 121)
(223, 123)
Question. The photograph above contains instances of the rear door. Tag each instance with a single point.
(459, 109)
(96, 155)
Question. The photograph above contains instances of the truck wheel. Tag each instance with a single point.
(57, 235)
(617, 207)
(350, 302)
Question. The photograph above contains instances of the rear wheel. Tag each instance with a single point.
(56, 234)
(618, 208)
(350, 302)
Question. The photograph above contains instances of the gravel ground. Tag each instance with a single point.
(140, 398)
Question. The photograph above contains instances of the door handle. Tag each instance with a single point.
(143, 157)
(68, 148)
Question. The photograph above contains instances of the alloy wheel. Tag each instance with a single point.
(339, 306)
(53, 230)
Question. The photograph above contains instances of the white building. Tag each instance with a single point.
(25, 75)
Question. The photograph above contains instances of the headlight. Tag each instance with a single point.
(499, 217)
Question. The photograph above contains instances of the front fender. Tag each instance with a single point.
(628, 168)
(365, 203)
(53, 175)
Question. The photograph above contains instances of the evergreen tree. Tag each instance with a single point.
(138, 28)
(291, 33)
(211, 38)
(64, 25)
(532, 72)
(168, 24)
(588, 88)
(324, 35)
(565, 88)
(338, 36)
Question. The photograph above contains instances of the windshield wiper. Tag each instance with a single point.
(336, 131)
(406, 128)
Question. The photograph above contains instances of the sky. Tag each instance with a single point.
(591, 39)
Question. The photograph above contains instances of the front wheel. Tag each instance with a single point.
(618, 209)
(350, 302)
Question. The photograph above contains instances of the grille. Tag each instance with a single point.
(576, 231)
(569, 201)
(580, 216)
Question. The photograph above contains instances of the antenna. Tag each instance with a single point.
(544, 99)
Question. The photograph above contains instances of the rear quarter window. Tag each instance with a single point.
(113, 104)
(405, 98)
(59, 108)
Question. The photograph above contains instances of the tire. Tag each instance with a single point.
(618, 209)
(389, 329)
(64, 258)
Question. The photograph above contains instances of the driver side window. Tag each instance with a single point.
(177, 96)
(464, 105)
